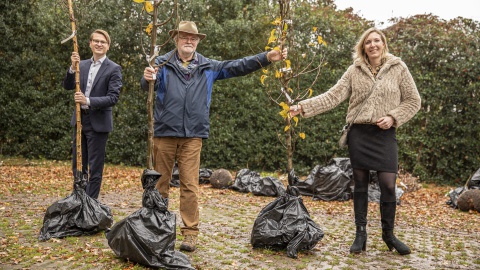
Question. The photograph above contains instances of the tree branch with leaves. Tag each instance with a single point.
(284, 81)
(151, 8)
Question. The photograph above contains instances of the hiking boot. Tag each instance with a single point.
(189, 243)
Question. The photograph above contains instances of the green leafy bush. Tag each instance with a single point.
(439, 144)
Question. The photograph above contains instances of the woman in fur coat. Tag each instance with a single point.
(382, 97)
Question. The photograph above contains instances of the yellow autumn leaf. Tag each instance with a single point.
(278, 74)
(262, 79)
(302, 135)
(139, 1)
(272, 37)
(296, 120)
(148, 6)
(287, 64)
(267, 48)
(284, 114)
(276, 48)
(310, 92)
(149, 29)
(314, 29)
(284, 106)
(285, 26)
(321, 41)
(286, 128)
(276, 22)
(290, 90)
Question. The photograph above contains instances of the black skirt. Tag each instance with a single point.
(373, 148)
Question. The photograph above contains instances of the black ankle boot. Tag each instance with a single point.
(387, 211)
(360, 206)
(393, 243)
(360, 242)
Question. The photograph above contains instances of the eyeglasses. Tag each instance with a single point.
(185, 39)
(96, 41)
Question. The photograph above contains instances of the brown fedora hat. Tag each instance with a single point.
(187, 27)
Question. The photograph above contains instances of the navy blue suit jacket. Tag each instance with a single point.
(104, 94)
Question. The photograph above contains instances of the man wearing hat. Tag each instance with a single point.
(183, 86)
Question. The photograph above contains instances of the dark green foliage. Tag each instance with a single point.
(32, 65)
(439, 144)
(127, 144)
(442, 141)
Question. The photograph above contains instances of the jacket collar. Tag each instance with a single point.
(391, 60)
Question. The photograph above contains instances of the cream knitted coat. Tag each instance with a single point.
(394, 94)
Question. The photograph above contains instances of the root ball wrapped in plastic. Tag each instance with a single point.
(75, 215)
(221, 178)
(469, 200)
(328, 183)
(286, 224)
(250, 181)
(147, 236)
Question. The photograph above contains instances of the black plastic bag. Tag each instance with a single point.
(204, 176)
(286, 224)
(148, 235)
(344, 164)
(328, 183)
(268, 186)
(453, 195)
(75, 215)
(474, 182)
(250, 181)
(244, 179)
(175, 180)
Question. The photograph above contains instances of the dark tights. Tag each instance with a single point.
(386, 181)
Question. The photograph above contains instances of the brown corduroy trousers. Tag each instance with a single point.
(187, 152)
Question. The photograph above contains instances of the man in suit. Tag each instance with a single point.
(100, 84)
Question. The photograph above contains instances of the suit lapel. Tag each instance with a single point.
(84, 75)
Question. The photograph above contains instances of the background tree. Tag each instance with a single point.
(439, 144)
(155, 46)
(286, 82)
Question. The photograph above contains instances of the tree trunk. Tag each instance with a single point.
(77, 89)
(289, 144)
(151, 90)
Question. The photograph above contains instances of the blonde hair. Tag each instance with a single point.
(359, 49)
(101, 32)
